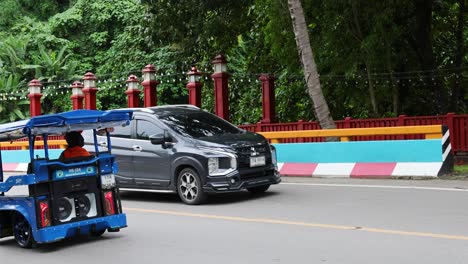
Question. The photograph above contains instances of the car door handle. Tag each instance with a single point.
(137, 148)
(103, 144)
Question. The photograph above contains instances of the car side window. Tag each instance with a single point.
(121, 132)
(145, 129)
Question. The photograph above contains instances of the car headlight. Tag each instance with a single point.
(213, 165)
(233, 163)
(220, 166)
(273, 156)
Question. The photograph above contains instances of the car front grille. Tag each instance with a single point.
(249, 174)
(245, 152)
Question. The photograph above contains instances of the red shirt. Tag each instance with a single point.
(74, 152)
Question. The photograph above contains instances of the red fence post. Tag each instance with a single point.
(401, 120)
(347, 122)
(194, 87)
(133, 94)
(300, 126)
(450, 124)
(258, 127)
(453, 133)
(220, 79)
(268, 98)
(149, 85)
(77, 95)
(34, 97)
(89, 81)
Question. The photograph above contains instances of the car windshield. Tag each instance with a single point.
(198, 124)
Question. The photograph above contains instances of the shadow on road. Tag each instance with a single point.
(10, 243)
(213, 199)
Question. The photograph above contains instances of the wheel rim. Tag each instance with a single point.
(188, 186)
(22, 231)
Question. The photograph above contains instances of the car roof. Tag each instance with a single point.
(168, 109)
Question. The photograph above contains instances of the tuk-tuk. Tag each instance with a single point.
(64, 198)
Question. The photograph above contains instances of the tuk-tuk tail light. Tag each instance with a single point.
(44, 213)
(109, 203)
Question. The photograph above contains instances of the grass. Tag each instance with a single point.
(460, 169)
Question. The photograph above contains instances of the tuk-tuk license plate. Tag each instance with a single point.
(257, 161)
(108, 181)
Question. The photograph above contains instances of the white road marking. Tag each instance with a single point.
(145, 190)
(450, 189)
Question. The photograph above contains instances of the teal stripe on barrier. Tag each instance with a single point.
(22, 156)
(428, 150)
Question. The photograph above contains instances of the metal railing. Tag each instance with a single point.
(428, 132)
(457, 124)
(23, 145)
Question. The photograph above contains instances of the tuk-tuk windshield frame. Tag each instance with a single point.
(59, 124)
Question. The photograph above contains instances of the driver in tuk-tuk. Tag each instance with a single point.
(75, 148)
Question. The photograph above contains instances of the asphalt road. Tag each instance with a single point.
(298, 221)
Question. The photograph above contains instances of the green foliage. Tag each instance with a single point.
(412, 65)
(11, 108)
(460, 168)
(9, 13)
(12, 54)
(33, 53)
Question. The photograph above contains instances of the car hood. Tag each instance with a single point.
(233, 140)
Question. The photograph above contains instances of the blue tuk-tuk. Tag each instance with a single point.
(64, 197)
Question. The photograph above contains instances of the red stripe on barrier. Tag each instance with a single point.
(374, 170)
(298, 169)
(10, 166)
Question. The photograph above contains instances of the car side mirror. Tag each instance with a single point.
(157, 139)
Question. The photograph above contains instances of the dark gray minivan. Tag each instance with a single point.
(183, 149)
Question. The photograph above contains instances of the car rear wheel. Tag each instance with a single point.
(189, 187)
(22, 231)
(258, 189)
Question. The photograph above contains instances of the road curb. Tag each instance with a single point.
(22, 167)
(382, 170)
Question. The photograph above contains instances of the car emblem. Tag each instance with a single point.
(253, 152)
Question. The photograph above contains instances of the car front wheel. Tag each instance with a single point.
(189, 187)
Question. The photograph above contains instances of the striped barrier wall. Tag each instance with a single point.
(17, 160)
(429, 157)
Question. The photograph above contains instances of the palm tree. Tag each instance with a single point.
(321, 111)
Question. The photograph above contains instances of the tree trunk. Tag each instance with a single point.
(422, 43)
(457, 92)
(395, 88)
(360, 38)
(370, 86)
(321, 111)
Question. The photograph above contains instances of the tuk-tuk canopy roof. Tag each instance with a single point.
(65, 122)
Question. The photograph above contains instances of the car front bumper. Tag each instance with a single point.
(236, 181)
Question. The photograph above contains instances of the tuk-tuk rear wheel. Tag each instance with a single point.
(22, 231)
(99, 233)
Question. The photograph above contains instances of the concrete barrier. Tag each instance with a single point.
(368, 159)
(430, 157)
(17, 160)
